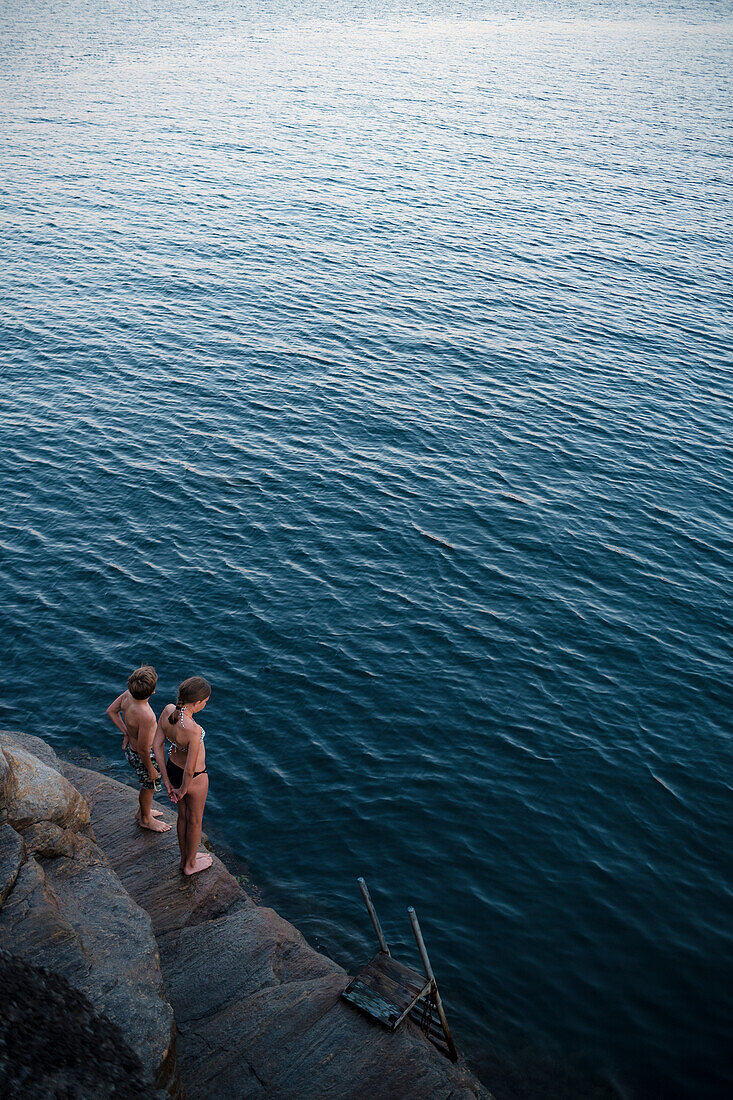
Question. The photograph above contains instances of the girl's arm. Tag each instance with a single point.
(114, 712)
(191, 757)
(159, 753)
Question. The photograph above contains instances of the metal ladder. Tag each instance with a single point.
(389, 991)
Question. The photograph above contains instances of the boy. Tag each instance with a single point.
(134, 717)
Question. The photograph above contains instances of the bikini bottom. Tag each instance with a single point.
(175, 774)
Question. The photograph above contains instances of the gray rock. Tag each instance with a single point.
(73, 917)
(34, 745)
(12, 856)
(37, 792)
(33, 927)
(147, 863)
(54, 1044)
(4, 786)
(259, 1014)
(48, 841)
(258, 1010)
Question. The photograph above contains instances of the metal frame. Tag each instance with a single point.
(383, 945)
(452, 1052)
(430, 994)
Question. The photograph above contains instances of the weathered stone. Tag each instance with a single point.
(48, 841)
(37, 792)
(32, 926)
(34, 745)
(54, 1044)
(12, 855)
(73, 917)
(4, 786)
(119, 946)
(258, 1010)
(147, 863)
(259, 1014)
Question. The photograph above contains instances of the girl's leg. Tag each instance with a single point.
(181, 828)
(196, 799)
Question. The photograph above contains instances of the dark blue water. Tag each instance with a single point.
(376, 364)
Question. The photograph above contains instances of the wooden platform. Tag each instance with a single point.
(386, 990)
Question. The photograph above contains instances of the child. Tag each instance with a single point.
(132, 714)
(185, 776)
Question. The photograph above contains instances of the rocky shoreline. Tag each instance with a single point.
(121, 976)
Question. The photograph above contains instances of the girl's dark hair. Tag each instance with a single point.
(192, 690)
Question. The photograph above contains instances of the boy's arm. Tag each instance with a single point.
(191, 757)
(114, 711)
(159, 752)
(145, 736)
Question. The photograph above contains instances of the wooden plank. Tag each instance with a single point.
(398, 972)
(369, 1001)
(435, 1034)
(393, 979)
(386, 990)
(436, 1029)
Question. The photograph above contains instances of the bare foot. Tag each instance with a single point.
(202, 861)
(153, 825)
(153, 813)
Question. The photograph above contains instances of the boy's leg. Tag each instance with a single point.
(146, 819)
(145, 815)
(153, 813)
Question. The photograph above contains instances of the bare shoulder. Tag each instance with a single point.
(148, 715)
(190, 733)
(167, 711)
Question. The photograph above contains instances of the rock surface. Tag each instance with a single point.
(53, 1044)
(48, 841)
(36, 746)
(267, 1020)
(37, 792)
(258, 1011)
(65, 910)
(12, 855)
(4, 785)
(147, 863)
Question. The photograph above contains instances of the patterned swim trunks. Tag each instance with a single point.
(135, 761)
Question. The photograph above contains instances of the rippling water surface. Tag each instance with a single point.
(375, 362)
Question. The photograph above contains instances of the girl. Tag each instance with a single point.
(185, 775)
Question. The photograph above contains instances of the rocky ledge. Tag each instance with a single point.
(144, 982)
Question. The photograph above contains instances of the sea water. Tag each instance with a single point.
(374, 361)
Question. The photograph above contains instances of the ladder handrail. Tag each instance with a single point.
(383, 945)
(431, 977)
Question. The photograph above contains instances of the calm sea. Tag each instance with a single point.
(374, 361)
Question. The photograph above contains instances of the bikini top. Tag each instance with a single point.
(183, 748)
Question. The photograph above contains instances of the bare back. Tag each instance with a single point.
(139, 717)
(183, 736)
